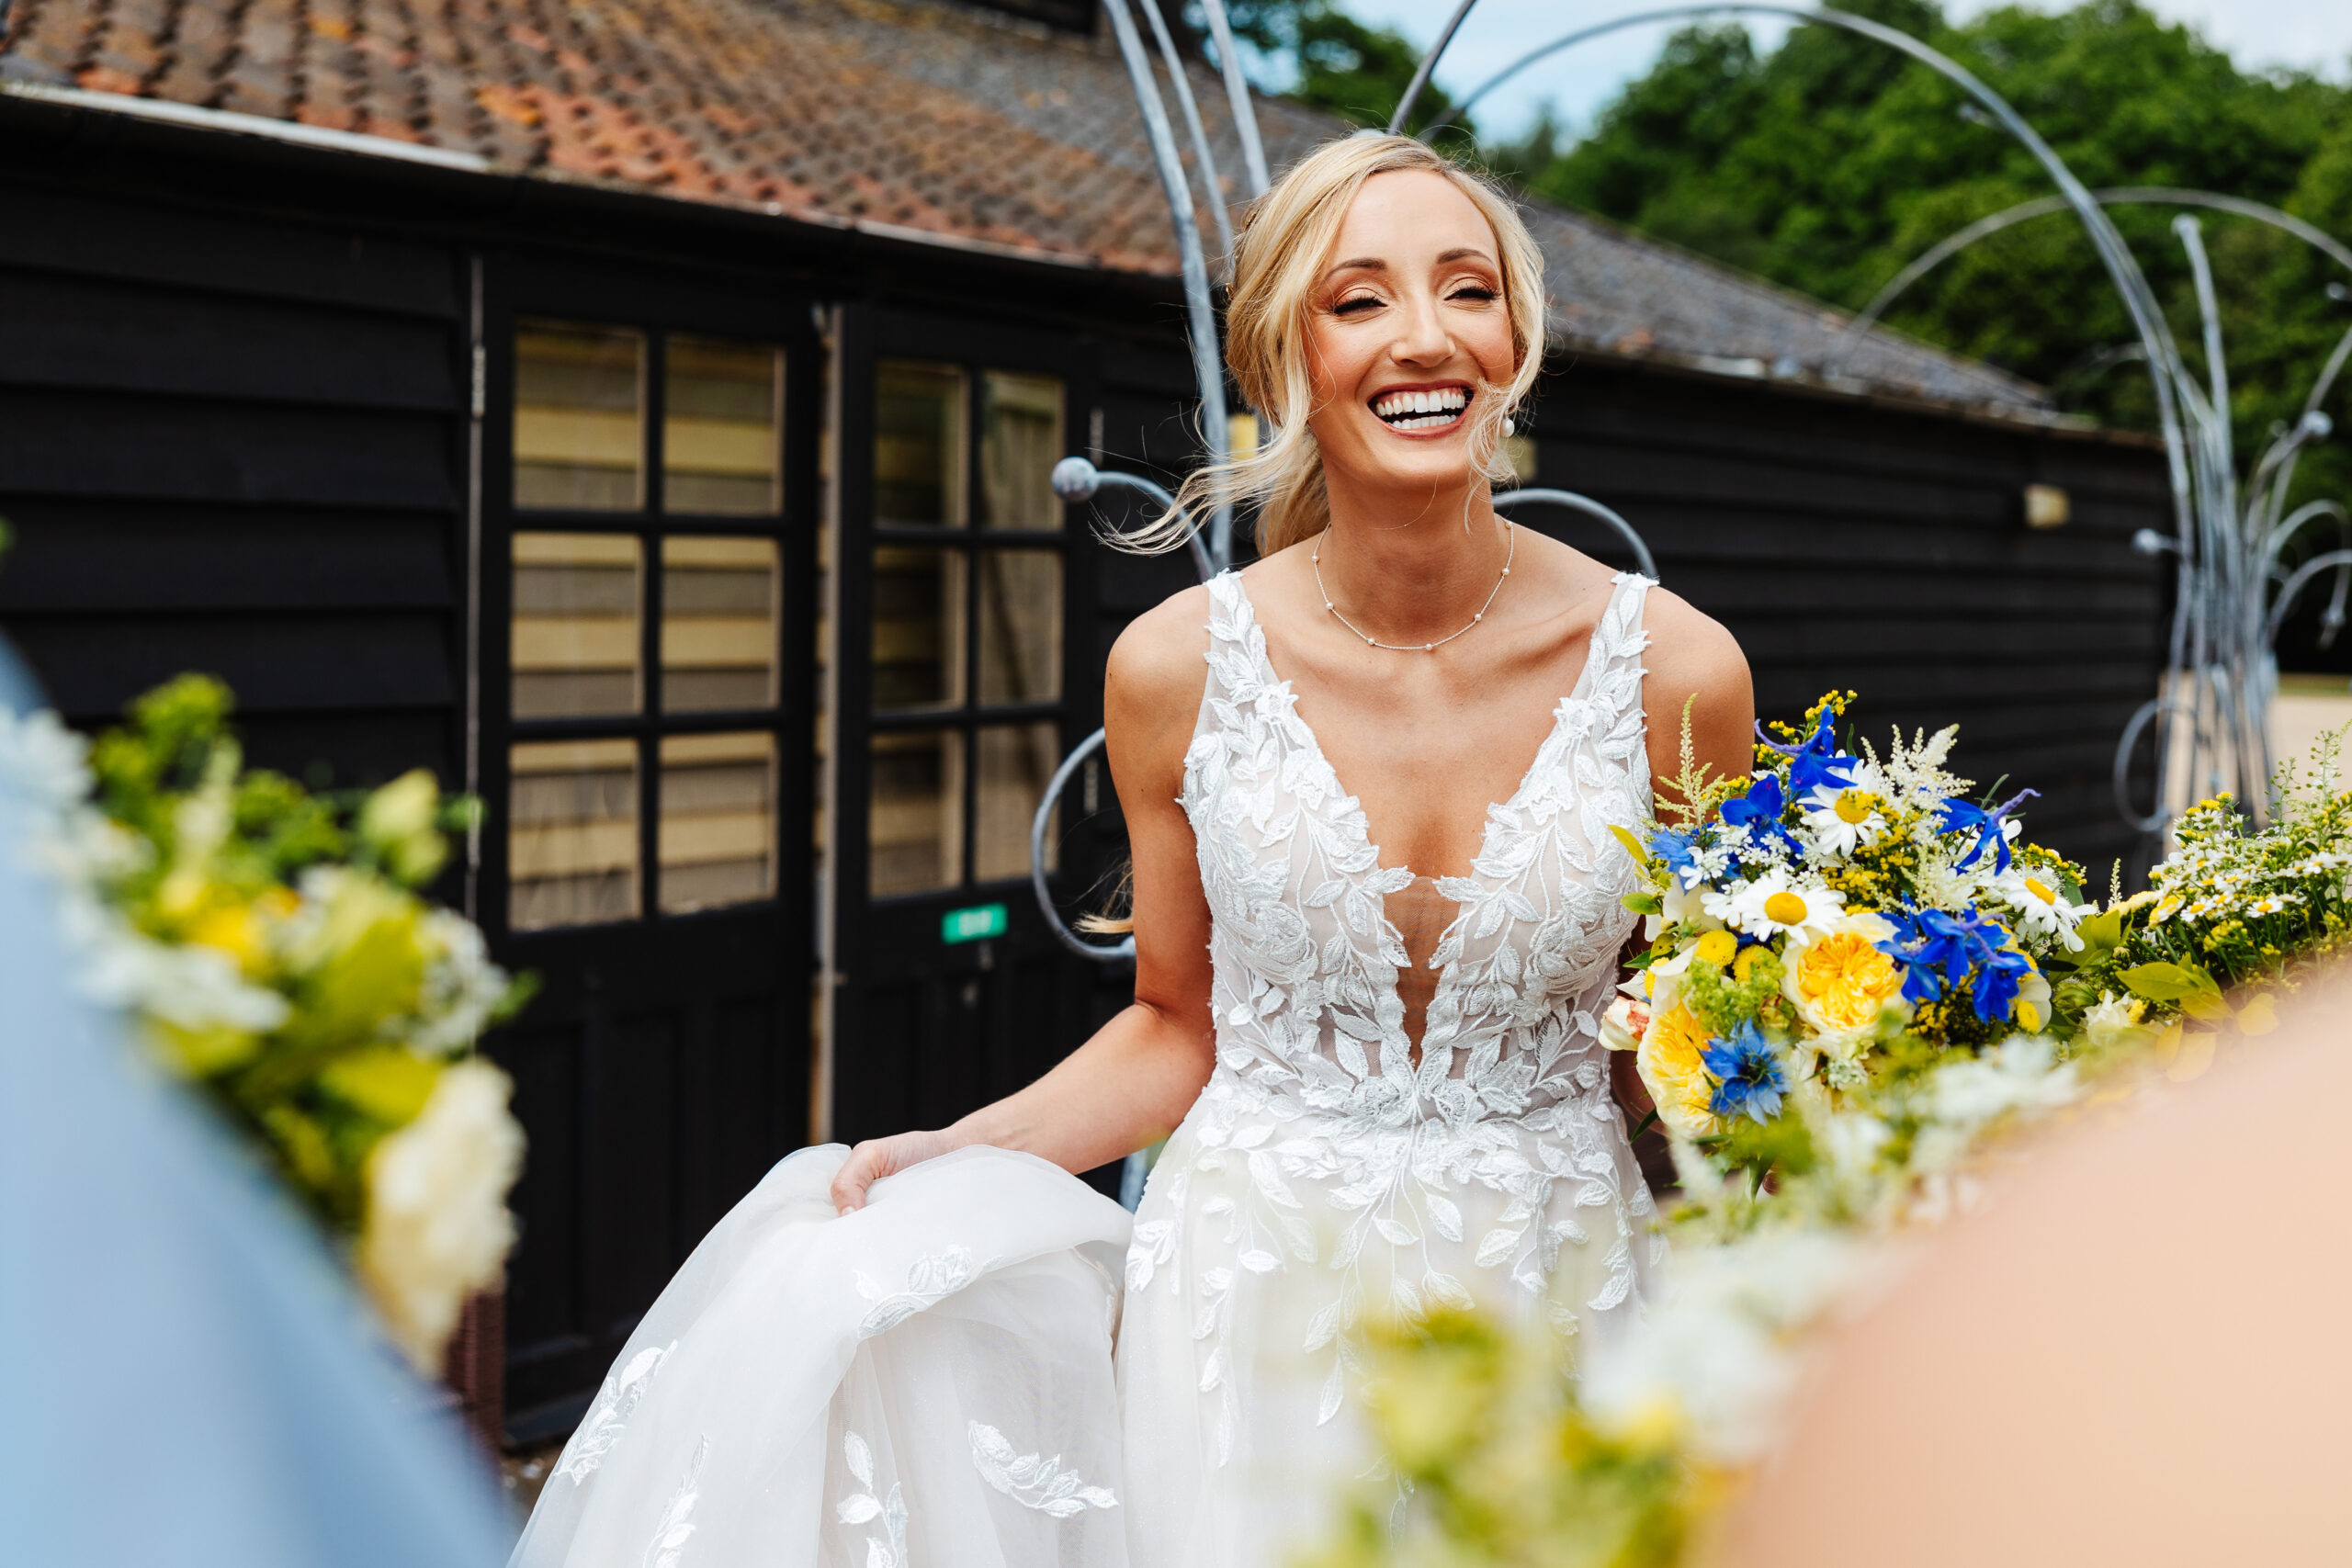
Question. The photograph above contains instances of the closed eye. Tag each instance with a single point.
(1472, 291)
(1356, 305)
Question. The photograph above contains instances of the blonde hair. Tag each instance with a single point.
(1278, 261)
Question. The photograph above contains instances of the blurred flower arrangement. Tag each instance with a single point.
(1858, 981)
(273, 951)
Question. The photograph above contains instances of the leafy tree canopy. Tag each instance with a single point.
(1347, 67)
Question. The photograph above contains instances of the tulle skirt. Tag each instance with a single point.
(927, 1380)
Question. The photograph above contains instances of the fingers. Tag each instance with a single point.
(860, 1171)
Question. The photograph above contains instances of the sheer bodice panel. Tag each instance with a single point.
(1307, 957)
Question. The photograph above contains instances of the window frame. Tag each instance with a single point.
(871, 338)
(658, 312)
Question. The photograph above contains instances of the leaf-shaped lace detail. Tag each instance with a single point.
(610, 1413)
(888, 1550)
(1032, 1480)
(930, 1279)
(676, 1524)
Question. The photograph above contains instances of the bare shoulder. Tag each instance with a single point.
(1158, 657)
(1152, 684)
(1694, 667)
(1690, 652)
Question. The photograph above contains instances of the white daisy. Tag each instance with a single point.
(1773, 904)
(1840, 821)
(2041, 905)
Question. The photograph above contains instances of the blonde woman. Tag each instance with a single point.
(1369, 783)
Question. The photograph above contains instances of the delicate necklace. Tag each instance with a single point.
(1510, 549)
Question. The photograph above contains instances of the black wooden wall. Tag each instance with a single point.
(233, 446)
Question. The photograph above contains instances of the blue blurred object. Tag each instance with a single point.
(190, 1379)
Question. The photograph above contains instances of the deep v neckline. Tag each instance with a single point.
(1486, 821)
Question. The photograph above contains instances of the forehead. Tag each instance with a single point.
(1405, 214)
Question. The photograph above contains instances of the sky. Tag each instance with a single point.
(2311, 35)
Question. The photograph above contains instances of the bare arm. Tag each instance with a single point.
(1693, 661)
(1135, 1079)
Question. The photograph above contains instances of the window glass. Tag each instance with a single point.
(721, 453)
(718, 624)
(576, 643)
(718, 833)
(578, 432)
(1020, 625)
(571, 833)
(918, 445)
(915, 813)
(1016, 761)
(1021, 441)
(918, 628)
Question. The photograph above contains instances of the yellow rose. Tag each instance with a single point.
(1838, 980)
(1676, 1079)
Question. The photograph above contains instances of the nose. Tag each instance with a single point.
(1422, 337)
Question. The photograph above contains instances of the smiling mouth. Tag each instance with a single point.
(1433, 409)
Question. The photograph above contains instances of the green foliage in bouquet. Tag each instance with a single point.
(274, 951)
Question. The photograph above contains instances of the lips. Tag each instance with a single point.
(1427, 408)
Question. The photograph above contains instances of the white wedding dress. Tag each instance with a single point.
(990, 1366)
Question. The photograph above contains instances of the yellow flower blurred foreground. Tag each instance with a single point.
(272, 950)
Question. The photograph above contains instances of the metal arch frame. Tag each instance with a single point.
(2260, 532)
(1592, 508)
(2216, 633)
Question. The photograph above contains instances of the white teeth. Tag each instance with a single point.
(1422, 411)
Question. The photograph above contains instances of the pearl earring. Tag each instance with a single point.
(1510, 428)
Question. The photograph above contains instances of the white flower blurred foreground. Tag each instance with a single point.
(271, 950)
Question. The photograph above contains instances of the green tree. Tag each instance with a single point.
(1830, 163)
(1347, 67)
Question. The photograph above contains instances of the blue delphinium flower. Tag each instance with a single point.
(1960, 816)
(1939, 951)
(1760, 811)
(1677, 851)
(1818, 765)
(1749, 1075)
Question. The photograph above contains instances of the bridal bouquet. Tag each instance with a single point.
(271, 949)
(1838, 914)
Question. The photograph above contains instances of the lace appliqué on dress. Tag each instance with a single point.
(931, 1280)
(602, 1425)
(888, 1550)
(677, 1525)
(1032, 1480)
(1348, 1146)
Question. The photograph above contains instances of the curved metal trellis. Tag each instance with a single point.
(2217, 650)
(2239, 601)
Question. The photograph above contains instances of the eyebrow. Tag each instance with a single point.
(1373, 264)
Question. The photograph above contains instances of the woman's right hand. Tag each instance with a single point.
(872, 1161)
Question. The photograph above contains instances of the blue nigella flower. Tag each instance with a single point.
(1939, 951)
(1750, 1074)
(1760, 811)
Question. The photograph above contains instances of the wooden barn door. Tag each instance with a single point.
(965, 593)
(648, 572)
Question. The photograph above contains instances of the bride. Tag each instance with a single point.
(1366, 1003)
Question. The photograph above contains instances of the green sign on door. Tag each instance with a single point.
(974, 924)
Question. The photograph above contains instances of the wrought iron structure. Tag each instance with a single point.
(2220, 676)
(2259, 533)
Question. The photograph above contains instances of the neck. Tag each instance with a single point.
(1409, 571)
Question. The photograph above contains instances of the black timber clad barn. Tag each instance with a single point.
(655, 445)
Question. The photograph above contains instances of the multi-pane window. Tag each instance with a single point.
(646, 624)
(967, 594)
